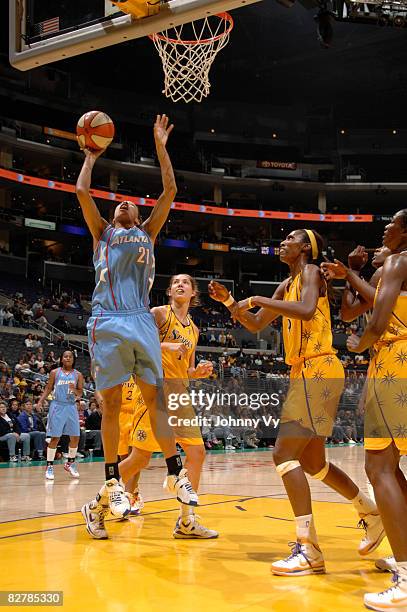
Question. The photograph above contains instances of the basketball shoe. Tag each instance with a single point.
(94, 514)
(395, 598)
(189, 528)
(181, 488)
(49, 473)
(305, 559)
(113, 495)
(374, 533)
(71, 469)
(387, 564)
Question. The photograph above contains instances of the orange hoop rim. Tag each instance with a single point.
(204, 41)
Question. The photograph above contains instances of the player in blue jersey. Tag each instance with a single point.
(66, 384)
(123, 336)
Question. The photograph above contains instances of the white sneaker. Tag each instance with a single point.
(387, 564)
(395, 598)
(80, 456)
(188, 528)
(26, 458)
(71, 469)
(49, 473)
(13, 459)
(352, 441)
(374, 533)
(181, 488)
(229, 447)
(305, 559)
(113, 495)
(94, 514)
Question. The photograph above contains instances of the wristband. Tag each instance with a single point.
(229, 301)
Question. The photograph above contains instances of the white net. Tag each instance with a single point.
(187, 53)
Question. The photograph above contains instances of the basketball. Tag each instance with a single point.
(95, 130)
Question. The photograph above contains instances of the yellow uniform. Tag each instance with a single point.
(317, 375)
(175, 381)
(386, 400)
(130, 399)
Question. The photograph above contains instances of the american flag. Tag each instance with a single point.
(46, 27)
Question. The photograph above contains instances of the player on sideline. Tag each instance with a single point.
(179, 337)
(66, 383)
(385, 413)
(123, 337)
(316, 383)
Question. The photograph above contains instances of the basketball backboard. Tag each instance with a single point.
(45, 31)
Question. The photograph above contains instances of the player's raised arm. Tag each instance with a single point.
(162, 208)
(93, 218)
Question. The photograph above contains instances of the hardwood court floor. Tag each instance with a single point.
(44, 545)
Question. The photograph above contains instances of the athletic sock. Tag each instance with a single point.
(305, 528)
(112, 471)
(186, 511)
(174, 465)
(51, 455)
(402, 572)
(72, 454)
(364, 504)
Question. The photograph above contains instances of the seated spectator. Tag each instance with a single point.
(10, 432)
(31, 424)
(14, 408)
(29, 341)
(8, 317)
(37, 343)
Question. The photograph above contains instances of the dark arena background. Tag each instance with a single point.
(302, 126)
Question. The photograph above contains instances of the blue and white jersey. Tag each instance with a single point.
(61, 386)
(125, 267)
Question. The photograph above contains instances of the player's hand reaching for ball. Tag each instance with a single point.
(217, 291)
(162, 130)
(93, 154)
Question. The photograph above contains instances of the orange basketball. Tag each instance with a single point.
(95, 130)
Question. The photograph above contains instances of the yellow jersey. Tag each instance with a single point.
(396, 328)
(306, 339)
(173, 330)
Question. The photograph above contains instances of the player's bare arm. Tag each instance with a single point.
(393, 276)
(161, 210)
(94, 220)
(304, 309)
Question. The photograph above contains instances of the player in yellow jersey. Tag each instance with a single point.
(131, 402)
(179, 337)
(386, 406)
(316, 382)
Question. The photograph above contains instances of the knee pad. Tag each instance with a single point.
(287, 466)
(322, 473)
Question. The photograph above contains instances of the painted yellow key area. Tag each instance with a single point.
(141, 566)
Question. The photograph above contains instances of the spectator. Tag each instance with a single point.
(29, 342)
(31, 424)
(93, 424)
(10, 432)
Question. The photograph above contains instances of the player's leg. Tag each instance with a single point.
(70, 466)
(51, 452)
(381, 469)
(306, 557)
(187, 525)
(313, 461)
(130, 471)
(177, 481)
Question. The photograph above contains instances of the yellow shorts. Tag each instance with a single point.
(316, 386)
(386, 399)
(185, 434)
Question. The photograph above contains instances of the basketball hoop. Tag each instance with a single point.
(187, 53)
